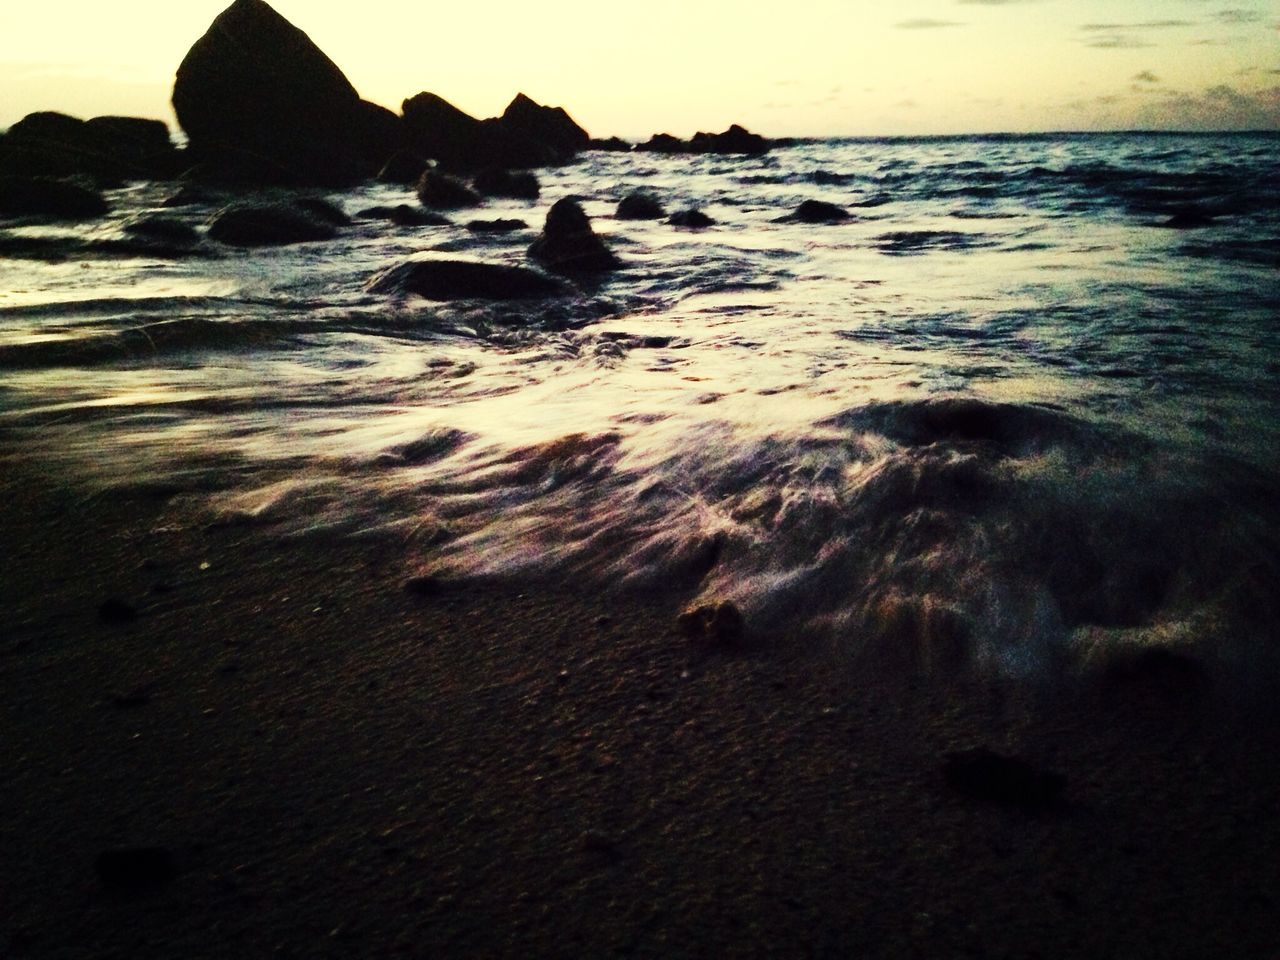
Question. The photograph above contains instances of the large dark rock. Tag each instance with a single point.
(48, 198)
(259, 101)
(260, 223)
(466, 279)
(551, 126)
(518, 184)
(568, 245)
(439, 191)
(107, 148)
(639, 205)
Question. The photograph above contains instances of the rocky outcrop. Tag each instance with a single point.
(466, 280)
(109, 149)
(550, 126)
(259, 101)
(47, 198)
(734, 140)
(568, 245)
(664, 143)
(611, 145)
(640, 206)
(260, 223)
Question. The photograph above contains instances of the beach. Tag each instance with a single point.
(334, 765)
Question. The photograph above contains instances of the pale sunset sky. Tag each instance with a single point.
(798, 67)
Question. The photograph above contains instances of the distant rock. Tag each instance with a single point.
(111, 149)
(816, 211)
(437, 129)
(550, 126)
(692, 218)
(734, 140)
(611, 145)
(404, 167)
(982, 774)
(496, 226)
(466, 279)
(439, 191)
(664, 143)
(568, 245)
(520, 185)
(403, 215)
(47, 198)
(639, 205)
(258, 223)
(259, 101)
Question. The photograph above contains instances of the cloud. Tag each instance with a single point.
(1116, 42)
(994, 3)
(1142, 25)
(1220, 107)
(1237, 15)
(925, 23)
(1146, 76)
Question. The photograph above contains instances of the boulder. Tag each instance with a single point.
(610, 145)
(568, 245)
(549, 126)
(439, 191)
(664, 143)
(520, 185)
(693, 218)
(466, 279)
(404, 167)
(258, 223)
(496, 226)
(734, 140)
(47, 198)
(162, 230)
(259, 101)
(437, 129)
(639, 205)
(107, 148)
(816, 211)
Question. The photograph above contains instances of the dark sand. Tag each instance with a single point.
(341, 768)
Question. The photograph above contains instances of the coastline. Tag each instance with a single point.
(338, 766)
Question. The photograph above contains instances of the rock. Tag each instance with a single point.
(496, 226)
(255, 223)
(692, 217)
(107, 148)
(816, 211)
(259, 101)
(664, 143)
(611, 145)
(982, 774)
(403, 215)
(640, 206)
(568, 245)
(721, 624)
(136, 869)
(440, 191)
(520, 185)
(115, 612)
(1189, 218)
(548, 126)
(324, 210)
(164, 229)
(466, 279)
(46, 197)
(405, 167)
(734, 140)
(437, 129)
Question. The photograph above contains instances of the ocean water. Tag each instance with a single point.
(1019, 410)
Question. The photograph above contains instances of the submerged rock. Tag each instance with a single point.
(46, 197)
(816, 211)
(568, 245)
(259, 223)
(496, 226)
(439, 191)
(982, 774)
(640, 205)
(403, 215)
(259, 101)
(692, 218)
(467, 279)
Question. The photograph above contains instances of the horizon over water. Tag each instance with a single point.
(1019, 411)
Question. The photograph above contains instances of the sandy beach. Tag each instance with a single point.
(327, 764)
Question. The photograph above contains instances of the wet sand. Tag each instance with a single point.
(330, 765)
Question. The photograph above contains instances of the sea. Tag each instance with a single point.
(1020, 410)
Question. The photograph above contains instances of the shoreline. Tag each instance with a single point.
(337, 766)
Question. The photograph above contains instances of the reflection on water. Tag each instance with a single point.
(1000, 415)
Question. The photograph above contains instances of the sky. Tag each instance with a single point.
(790, 68)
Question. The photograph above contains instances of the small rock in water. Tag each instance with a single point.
(162, 228)
(115, 611)
(496, 182)
(496, 226)
(270, 223)
(983, 774)
(466, 280)
(403, 215)
(136, 869)
(440, 191)
(49, 198)
(693, 218)
(721, 624)
(816, 211)
(640, 206)
(568, 245)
